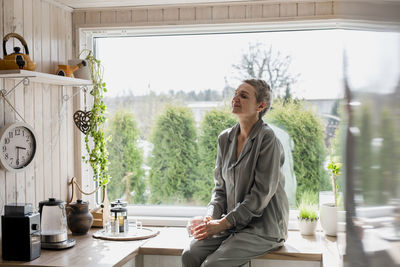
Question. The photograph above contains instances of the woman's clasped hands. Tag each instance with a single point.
(209, 227)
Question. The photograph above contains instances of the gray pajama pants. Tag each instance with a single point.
(227, 250)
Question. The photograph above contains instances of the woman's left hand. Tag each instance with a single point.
(210, 228)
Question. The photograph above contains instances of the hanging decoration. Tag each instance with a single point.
(82, 117)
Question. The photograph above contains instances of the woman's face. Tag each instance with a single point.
(244, 102)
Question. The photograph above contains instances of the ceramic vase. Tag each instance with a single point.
(307, 227)
(79, 218)
(328, 215)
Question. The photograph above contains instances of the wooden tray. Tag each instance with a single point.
(143, 233)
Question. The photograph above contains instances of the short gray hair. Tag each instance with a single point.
(263, 93)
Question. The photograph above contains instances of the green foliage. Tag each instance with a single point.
(147, 107)
(125, 158)
(307, 132)
(337, 151)
(308, 206)
(376, 157)
(308, 197)
(334, 167)
(308, 212)
(174, 158)
(389, 156)
(95, 141)
(364, 158)
(213, 123)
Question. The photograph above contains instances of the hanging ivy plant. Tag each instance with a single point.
(95, 139)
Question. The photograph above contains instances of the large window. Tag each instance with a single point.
(169, 97)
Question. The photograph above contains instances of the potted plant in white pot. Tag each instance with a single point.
(328, 211)
(308, 216)
(308, 219)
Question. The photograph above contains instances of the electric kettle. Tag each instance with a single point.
(16, 60)
(53, 224)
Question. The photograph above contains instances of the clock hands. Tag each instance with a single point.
(18, 148)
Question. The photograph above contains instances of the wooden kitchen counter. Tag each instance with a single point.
(89, 251)
(172, 241)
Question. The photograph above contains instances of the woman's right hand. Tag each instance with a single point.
(194, 222)
(209, 228)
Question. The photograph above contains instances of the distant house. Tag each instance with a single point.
(321, 106)
(199, 108)
(325, 109)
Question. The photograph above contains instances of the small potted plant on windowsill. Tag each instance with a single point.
(328, 211)
(308, 218)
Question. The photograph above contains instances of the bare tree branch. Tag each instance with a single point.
(261, 63)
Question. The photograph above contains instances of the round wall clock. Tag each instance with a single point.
(17, 146)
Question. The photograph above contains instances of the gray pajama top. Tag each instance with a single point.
(249, 190)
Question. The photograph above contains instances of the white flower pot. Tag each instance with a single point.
(328, 215)
(307, 227)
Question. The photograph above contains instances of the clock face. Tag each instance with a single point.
(17, 146)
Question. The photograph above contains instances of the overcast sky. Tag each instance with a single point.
(200, 62)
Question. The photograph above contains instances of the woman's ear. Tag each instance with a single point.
(261, 106)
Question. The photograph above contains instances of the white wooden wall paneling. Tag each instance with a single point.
(47, 133)
(28, 96)
(2, 172)
(70, 139)
(202, 13)
(70, 126)
(38, 126)
(63, 29)
(37, 34)
(55, 142)
(19, 96)
(10, 178)
(77, 142)
(29, 118)
(47, 29)
(38, 100)
(123, 16)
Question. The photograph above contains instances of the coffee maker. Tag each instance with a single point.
(20, 228)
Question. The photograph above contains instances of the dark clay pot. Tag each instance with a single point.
(79, 218)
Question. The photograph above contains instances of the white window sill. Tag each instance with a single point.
(178, 216)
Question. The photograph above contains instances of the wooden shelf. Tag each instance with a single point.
(40, 77)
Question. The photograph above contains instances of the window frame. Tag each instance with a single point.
(178, 215)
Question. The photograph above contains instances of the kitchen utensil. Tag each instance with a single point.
(54, 234)
(119, 216)
(16, 60)
(79, 218)
(68, 71)
(20, 228)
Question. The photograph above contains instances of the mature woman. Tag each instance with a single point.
(248, 213)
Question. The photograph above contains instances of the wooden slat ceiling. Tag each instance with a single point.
(81, 4)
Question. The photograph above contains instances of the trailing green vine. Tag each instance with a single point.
(95, 139)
